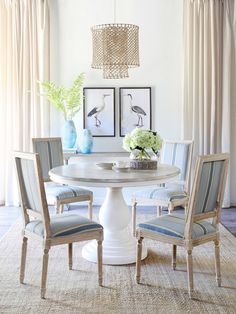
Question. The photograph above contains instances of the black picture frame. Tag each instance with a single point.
(140, 98)
(101, 123)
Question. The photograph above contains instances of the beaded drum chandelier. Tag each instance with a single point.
(115, 49)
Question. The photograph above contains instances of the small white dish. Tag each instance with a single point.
(121, 169)
(120, 164)
(105, 165)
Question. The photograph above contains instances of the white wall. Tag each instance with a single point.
(161, 67)
(160, 23)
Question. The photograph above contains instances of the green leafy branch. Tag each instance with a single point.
(66, 100)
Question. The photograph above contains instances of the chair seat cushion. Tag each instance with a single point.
(64, 225)
(173, 225)
(57, 192)
(167, 194)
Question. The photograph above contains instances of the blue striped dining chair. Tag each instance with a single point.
(194, 228)
(51, 155)
(176, 153)
(49, 230)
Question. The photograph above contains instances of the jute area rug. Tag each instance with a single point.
(162, 290)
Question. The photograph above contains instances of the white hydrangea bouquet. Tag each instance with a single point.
(142, 144)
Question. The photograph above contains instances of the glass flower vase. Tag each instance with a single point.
(143, 159)
(85, 142)
(69, 134)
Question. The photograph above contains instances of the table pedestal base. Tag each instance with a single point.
(119, 247)
(118, 251)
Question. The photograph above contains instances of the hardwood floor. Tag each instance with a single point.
(9, 215)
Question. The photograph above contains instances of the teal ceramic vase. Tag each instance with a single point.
(69, 134)
(85, 142)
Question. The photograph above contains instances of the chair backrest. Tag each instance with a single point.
(31, 187)
(179, 154)
(208, 189)
(50, 153)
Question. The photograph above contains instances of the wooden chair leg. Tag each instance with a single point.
(174, 251)
(134, 210)
(57, 208)
(185, 209)
(44, 272)
(138, 259)
(23, 259)
(159, 208)
(217, 262)
(99, 257)
(170, 208)
(190, 272)
(70, 255)
(61, 208)
(90, 209)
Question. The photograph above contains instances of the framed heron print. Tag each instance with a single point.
(135, 109)
(99, 110)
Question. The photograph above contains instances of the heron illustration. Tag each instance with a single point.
(138, 110)
(96, 110)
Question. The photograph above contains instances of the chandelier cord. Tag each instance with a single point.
(114, 11)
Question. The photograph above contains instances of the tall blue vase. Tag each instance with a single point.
(69, 134)
(85, 141)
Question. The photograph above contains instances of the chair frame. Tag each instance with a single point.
(47, 241)
(161, 203)
(59, 204)
(190, 218)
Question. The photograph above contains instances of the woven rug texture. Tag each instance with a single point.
(162, 290)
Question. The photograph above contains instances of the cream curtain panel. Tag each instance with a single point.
(24, 59)
(209, 68)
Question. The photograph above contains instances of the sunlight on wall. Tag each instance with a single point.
(160, 25)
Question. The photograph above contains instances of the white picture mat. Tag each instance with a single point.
(95, 98)
(141, 97)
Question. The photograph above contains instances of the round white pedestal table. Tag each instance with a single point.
(119, 246)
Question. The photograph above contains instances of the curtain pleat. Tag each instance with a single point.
(24, 59)
(209, 42)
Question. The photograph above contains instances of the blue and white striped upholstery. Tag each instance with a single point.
(162, 193)
(173, 225)
(30, 181)
(57, 192)
(64, 225)
(176, 154)
(209, 186)
(50, 154)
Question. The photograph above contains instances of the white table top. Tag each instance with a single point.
(88, 174)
